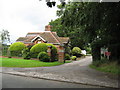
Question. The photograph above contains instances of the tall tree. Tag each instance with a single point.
(95, 23)
(4, 35)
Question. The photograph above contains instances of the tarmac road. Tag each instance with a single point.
(13, 81)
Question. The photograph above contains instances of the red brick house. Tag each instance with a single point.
(47, 36)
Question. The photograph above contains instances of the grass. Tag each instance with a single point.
(13, 62)
(111, 67)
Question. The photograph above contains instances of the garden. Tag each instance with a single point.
(20, 55)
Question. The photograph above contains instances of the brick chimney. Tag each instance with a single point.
(48, 28)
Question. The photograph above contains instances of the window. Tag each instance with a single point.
(39, 41)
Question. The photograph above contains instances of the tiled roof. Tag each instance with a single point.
(64, 39)
(21, 39)
(50, 37)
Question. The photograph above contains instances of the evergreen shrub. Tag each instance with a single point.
(73, 57)
(43, 56)
(76, 51)
(26, 53)
(36, 49)
(16, 48)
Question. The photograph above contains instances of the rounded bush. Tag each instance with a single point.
(16, 48)
(67, 57)
(36, 49)
(73, 57)
(26, 53)
(53, 52)
(76, 51)
(43, 56)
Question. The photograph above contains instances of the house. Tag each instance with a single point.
(47, 36)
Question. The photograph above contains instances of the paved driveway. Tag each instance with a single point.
(77, 72)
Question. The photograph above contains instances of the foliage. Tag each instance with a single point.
(73, 57)
(97, 63)
(4, 49)
(76, 51)
(26, 53)
(90, 23)
(43, 56)
(67, 57)
(36, 49)
(53, 52)
(13, 62)
(111, 67)
(4, 35)
(16, 48)
(67, 49)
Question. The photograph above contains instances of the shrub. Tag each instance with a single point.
(67, 50)
(76, 51)
(53, 52)
(36, 49)
(73, 57)
(67, 57)
(16, 48)
(43, 56)
(97, 63)
(26, 53)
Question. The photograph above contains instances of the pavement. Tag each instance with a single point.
(75, 72)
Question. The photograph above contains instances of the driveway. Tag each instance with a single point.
(77, 72)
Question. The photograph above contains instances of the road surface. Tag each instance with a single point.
(13, 81)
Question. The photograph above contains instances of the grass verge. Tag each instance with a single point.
(13, 62)
(111, 67)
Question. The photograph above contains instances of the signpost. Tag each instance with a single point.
(108, 54)
(105, 52)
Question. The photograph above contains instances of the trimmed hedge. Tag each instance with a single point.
(76, 51)
(16, 48)
(43, 56)
(73, 57)
(36, 49)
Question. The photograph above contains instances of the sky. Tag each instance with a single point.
(22, 16)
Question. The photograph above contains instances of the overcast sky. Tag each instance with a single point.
(22, 16)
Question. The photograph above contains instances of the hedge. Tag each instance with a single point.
(16, 48)
(43, 56)
(76, 51)
(36, 49)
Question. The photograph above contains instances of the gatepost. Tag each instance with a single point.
(61, 53)
(49, 51)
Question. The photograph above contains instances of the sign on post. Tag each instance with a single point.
(108, 54)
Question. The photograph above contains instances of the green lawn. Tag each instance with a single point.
(111, 67)
(13, 62)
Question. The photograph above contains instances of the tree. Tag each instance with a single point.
(95, 23)
(4, 36)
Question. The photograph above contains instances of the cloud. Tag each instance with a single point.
(22, 16)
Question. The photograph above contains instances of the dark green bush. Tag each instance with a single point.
(43, 56)
(67, 50)
(36, 49)
(53, 52)
(16, 49)
(26, 53)
(76, 51)
(67, 57)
